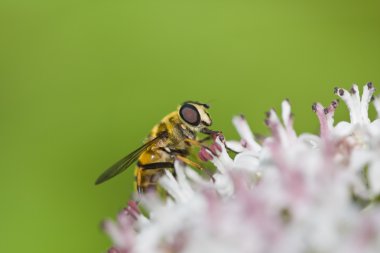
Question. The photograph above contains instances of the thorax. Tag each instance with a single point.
(177, 132)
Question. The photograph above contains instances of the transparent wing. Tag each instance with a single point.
(126, 161)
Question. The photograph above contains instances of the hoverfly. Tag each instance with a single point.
(170, 139)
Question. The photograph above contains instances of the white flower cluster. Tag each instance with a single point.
(291, 193)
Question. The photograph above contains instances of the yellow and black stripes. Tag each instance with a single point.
(159, 165)
(147, 175)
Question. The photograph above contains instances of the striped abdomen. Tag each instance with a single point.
(147, 175)
(150, 167)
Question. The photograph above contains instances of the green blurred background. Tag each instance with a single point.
(83, 82)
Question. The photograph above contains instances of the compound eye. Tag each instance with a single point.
(190, 114)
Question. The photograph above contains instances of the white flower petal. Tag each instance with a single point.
(310, 140)
(287, 118)
(115, 233)
(374, 177)
(235, 146)
(343, 129)
(366, 99)
(352, 107)
(376, 103)
(246, 161)
(374, 128)
(245, 133)
(223, 185)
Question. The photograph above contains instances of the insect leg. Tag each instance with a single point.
(205, 139)
(198, 144)
(195, 165)
(194, 143)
